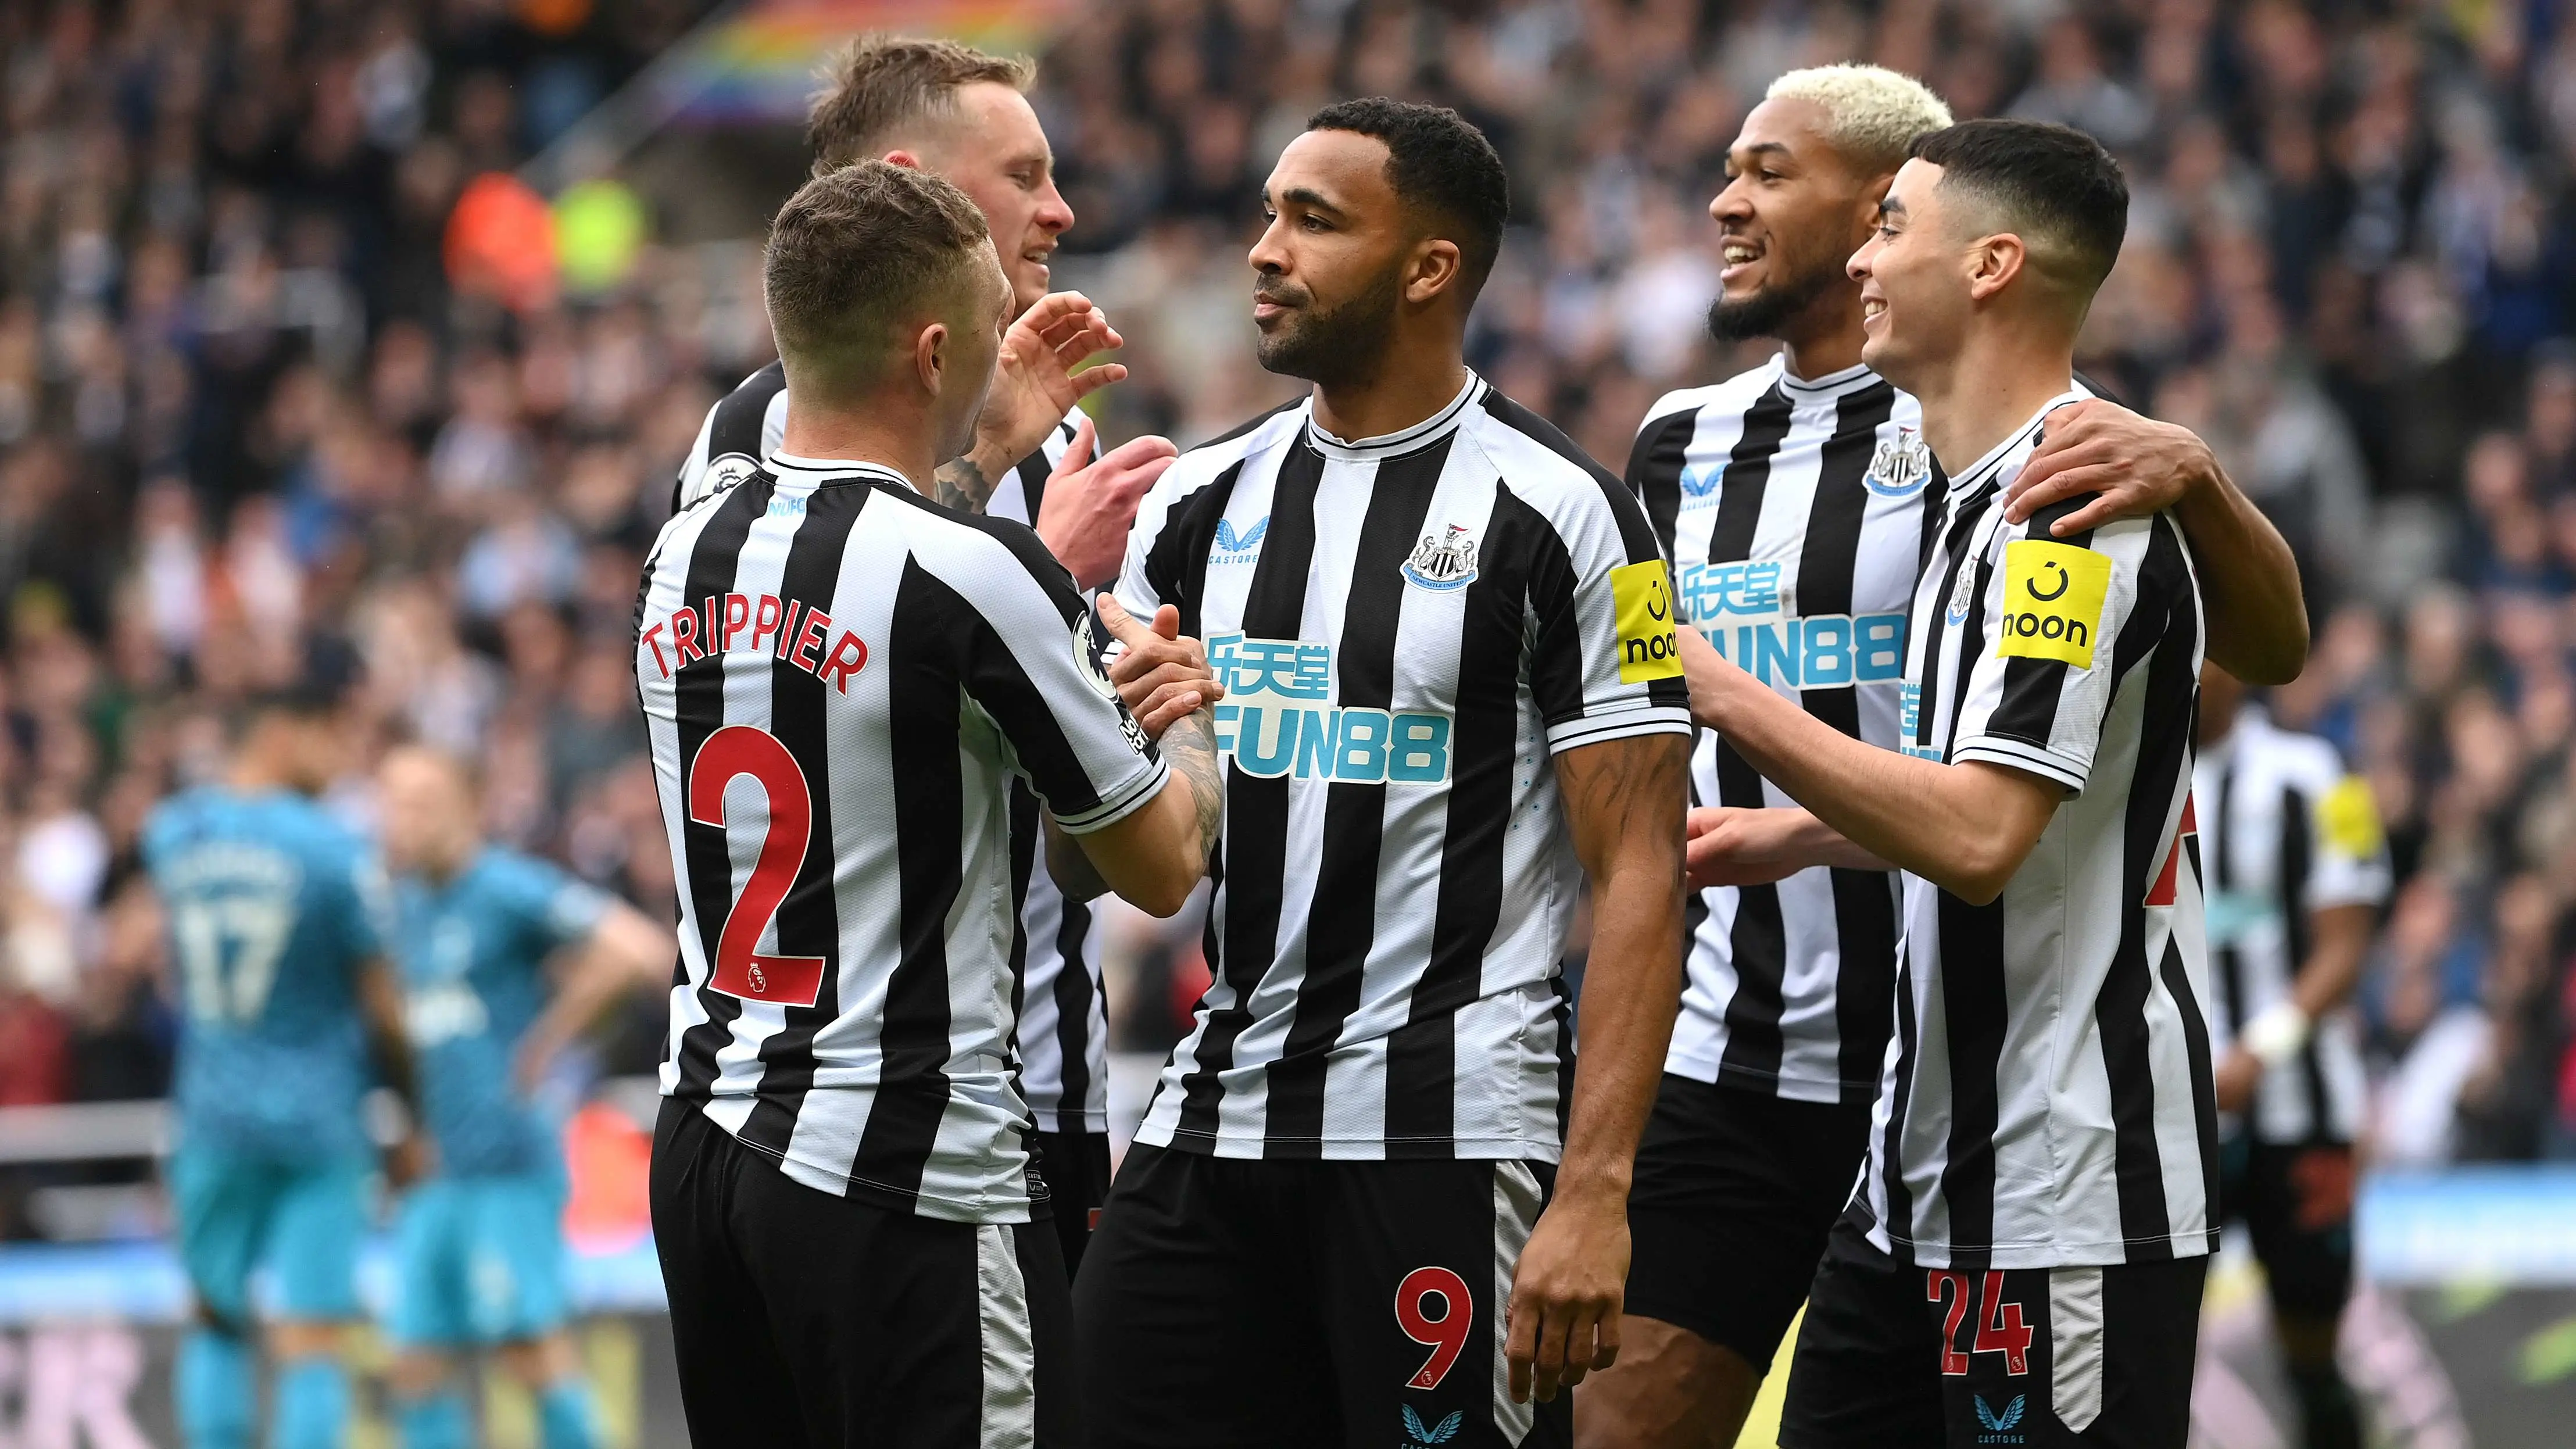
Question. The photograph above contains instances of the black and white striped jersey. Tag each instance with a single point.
(1795, 514)
(841, 680)
(1409, 628)
(2047, 1099)
(1064, 1017)
(2285, 831)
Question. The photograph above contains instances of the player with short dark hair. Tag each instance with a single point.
(2025, 1251)
(1364, 1206)
(288, 1012)
(1794, 500)
(962, 114)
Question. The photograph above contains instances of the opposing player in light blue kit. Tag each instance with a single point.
(273, 910)
(481, 1243)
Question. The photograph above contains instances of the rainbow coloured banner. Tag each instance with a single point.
(759, 65)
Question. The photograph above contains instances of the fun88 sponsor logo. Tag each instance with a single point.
(1743, 611)
(1278, 719)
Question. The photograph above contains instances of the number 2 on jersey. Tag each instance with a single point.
(740, 968)
(1447, 1334)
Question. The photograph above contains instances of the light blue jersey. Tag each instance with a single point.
(472, 952)
(273, 907)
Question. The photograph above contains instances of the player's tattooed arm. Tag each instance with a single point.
(1623, 806)
(1164, 680)
(962, 483)
(1190, 746)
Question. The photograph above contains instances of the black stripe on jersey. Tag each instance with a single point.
(1759, 938)
(1864, 903)
(2229, 962)
(2027, 707)
(1975, 1000)
(1891, 1152)
(1655, 471)
(740, 415)
(1176, 565)
(1341, 919)
(2163, 611)
(923, 652)
(698, 711)
(808, 920)
(1256, 826)
(1027, 826)
(1072, 1015)
(1970, 631)
(1636, 536)
(2298, 855)
(1421, 1055)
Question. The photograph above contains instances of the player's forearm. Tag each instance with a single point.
(2255, 612)
(388, 1043)
(2340, 937)
(1632, 985)
(966, 483)
(1810, 841)
(1949, 824)
(1155, 857)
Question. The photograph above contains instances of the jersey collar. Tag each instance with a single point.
(1850, 380)
(1388, 445)
(817, 471)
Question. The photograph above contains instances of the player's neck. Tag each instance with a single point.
(1984, 392)
(901, 441)
(1826, 338)
(1408, 385)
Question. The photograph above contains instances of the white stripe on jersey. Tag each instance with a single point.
(846, 923)
(2047, 1098)
(1794, 513)
(2285, 831)
(1408, 627)
(1064, 1021)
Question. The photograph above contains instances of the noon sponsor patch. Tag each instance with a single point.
(2053, 596)
(1642, 594)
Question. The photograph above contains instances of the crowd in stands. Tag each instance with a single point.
(254, 426)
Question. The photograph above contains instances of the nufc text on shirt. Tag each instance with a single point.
(840, 680)
(1408, 628)
(2047, 1098)
(1795, 514)
(1064, 1021)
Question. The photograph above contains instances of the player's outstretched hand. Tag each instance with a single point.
(2134, 465)
(1566, 1296)
(1089, 505)
(1733, 846)
(1162, 676)
(1035, 384)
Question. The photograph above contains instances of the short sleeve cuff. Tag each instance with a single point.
(1617, 723)
(2030, 759)
(1116, 804)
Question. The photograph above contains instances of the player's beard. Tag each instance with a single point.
(1337, 346)
(1765, 312)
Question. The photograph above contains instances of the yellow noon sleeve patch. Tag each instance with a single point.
(1642, 594)
(2348, 818)
(2053, 596)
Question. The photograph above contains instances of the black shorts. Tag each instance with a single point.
(1891, 1354)
(1735, 1192)
(2296, 1201)
(1302, 1304)
(801, 1318)
(1076, 1168)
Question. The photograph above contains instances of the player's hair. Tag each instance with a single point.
(855, 251)
(2054, 185)
(1440, 164)
(465, 771)
(1871, 113)
(879, 86)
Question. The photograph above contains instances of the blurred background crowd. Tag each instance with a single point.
(295, 378)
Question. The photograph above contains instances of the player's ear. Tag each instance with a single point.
(1993, 262)
(1434, 271)
(909, 161)
(930, 356)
